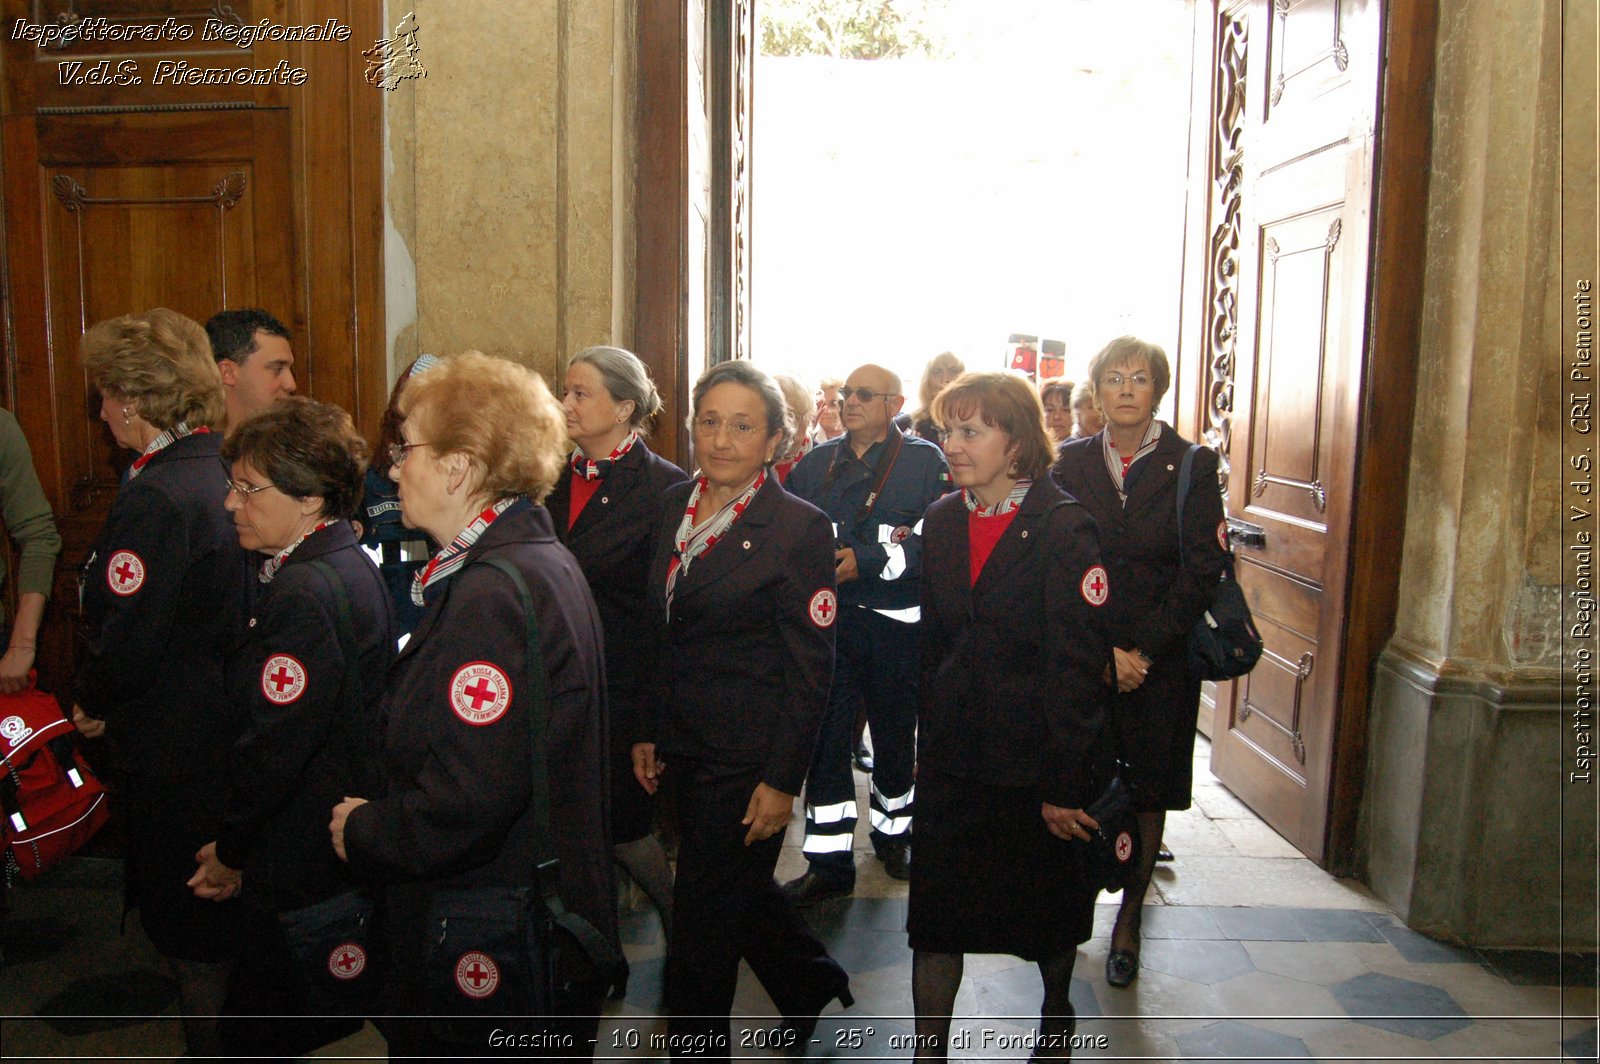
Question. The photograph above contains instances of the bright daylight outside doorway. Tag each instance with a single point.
(935, 175)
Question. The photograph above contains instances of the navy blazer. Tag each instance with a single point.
(741, 672)
(166, 594)
(613, 540)
(1013, 690)
(456, 743)
(1156, 596)
(311, 740)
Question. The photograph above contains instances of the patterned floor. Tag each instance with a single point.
(1250, 953)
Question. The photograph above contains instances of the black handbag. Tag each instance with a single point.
(499, 952)
(1112, 857)
(1224, 643)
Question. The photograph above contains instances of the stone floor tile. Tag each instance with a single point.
(1531, 967)
(1172, 1003)
(1217, 802)
(1274, 1003)
(1581, 1047)
(1360, 1042)
(1420, 949)
(1208, 962)
(1489, 1040)
(1236, 1041)
(1257, 923)
(1180, 921)
(1192, 833)
(1322, 963)
(1252, 838)
(1336, 925)
(1229, 881)
(1402, 1006)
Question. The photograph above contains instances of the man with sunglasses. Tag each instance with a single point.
(874, 484)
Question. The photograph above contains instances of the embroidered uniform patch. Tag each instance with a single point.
(477, 975)
(14, 730)
(347, 961)
(1094, 586)
(480, 693)
(824, 607)
(125, 572)
(1222, 533)
(900, 535)
(1124, 846)
(283, 679)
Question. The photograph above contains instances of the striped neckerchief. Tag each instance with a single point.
(589, 469)
(692, 542)
(454, 556)
(1011, 502)
(274, 563)
(162, 442)
(1114, 464)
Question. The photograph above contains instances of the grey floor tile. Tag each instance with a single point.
(1258, 924)
(860, 950)
(1420, 949)
(1581, 1047)
(1207, 962)
(1179, 921)
(1019, 992)
(1403, 1006)
(1336, 925)
(1235, 1041)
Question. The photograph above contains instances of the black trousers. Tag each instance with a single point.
(726, 906)
(876, 658)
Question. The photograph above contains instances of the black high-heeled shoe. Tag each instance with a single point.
(804, 1025)
(1122, 965)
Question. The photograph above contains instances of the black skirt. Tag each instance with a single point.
(988, 877)
(1155, 725)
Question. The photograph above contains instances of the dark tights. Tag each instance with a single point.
(1129, 917)
(935, 978)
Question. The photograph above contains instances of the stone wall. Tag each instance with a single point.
(1461, 817)
(510, 181)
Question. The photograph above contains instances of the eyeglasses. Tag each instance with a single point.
(398, 451)
(866, 395)
(1115, 380)
(739, 429)
(244, 491)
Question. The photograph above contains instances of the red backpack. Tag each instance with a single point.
(50, 799)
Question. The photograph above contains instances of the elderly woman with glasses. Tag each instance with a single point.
(166, 593)
(494, 730)
(310, 675)
(1127, 477)
(606, 507)
(742, 591)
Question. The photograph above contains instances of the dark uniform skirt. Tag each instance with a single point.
(1155, 725)
(988, 877)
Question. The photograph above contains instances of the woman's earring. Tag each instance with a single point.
(124, 415)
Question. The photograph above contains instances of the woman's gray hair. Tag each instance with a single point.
(626, 378)
(738, 371)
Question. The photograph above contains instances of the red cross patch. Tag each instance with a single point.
(125, 572)
(1222, 533)
(824, 607)
(283, 679)
(900, 535)
(347, 961)
(1094, 586)
(1124, 847)
(480, 693)
(477, 975)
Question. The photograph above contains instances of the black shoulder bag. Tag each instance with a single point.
(499, 952)
(1224, 643)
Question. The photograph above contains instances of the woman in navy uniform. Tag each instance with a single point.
(606, 507)
(742, 586)
(1013, 702)
(311, 674)
(483, 442)
(1127, 477)
(400, 552)
(166, 594)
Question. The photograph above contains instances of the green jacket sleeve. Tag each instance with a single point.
(26, 511)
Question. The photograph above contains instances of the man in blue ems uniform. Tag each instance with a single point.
(874, 484)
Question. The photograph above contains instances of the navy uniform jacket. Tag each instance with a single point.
(1012, 688)
(888, 544)
(166, 594)
(741, 672)
(399, 552)
(1158, 599)
(613, 540)
(306, 746)
(455, 812)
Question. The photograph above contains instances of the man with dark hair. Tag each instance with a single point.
(253, 355)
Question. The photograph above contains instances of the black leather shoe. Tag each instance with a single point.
(862, 757)
(896, 858)
(1164, 855)
(1121, 967)
(811, 889)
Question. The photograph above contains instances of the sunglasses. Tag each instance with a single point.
(865, 395)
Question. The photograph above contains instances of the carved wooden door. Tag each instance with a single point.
(1295, 88)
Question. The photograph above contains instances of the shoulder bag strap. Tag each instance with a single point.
(537, 712)
(1185, 475)
(345, 629)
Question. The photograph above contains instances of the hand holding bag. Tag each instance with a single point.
(1113, 854)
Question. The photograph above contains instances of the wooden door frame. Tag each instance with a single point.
(1402, 150)
(1402, 147)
